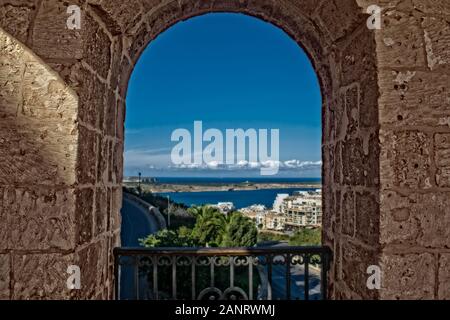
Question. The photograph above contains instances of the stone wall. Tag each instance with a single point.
(414, 107)
(385, 136)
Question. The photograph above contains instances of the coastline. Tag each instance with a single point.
(218, 187)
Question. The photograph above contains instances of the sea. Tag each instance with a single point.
(240, 198)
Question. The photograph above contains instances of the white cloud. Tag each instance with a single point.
(295, 165)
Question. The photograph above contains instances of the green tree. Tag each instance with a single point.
(169, 238)
(240, 231)
(209, 227)
(306, 237)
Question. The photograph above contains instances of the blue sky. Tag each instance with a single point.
(229, 71)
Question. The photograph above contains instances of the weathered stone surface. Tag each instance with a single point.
(406, 159)
(433, 6)
(367, 218)
(348, 214)
(16, 20)
(442, 159)
(414, 98)
(116, 61)
(400, 44)
(116, 205)
(11, 75)
(437, 42)
(39, 116)
(444, 277)
(84, 215)
(417, 219)
(97, 47)
(408, 276)
(93, 267)
(109, 127)
(40, 219)
(358, 62)
(103, 159)
(92, 94)
(101, 211)
(4, 229)
(86, 164)
(44, 145)
(51, 37)
(4, 276)
(41, 276)
(340, 18)
(125, 14)
(120, 122)
(359, 161)
(355, 261)
(117, 162)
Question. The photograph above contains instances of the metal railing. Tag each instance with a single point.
(257, 273)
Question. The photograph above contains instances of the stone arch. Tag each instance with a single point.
(363, 165)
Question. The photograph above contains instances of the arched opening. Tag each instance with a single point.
(375, 186)
(215, 74)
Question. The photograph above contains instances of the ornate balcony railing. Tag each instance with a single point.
(257, 273)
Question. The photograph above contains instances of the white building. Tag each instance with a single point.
(224, 207)
(279, 202)
(257, 212)
(303, 209)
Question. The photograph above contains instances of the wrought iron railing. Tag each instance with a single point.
(257, 273)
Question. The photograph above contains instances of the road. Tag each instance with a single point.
(137, 223)
(297, 282)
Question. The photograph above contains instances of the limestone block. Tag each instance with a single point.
(101, 211)
(442, 159)
(40, 219)
(16, 19)
(408, 276)
(125, 14)
(97, 47)
(437, 42)
(150, 4)
(400, 41)
(444, 277)
(51, 36)
(93, 266)
(120, 123)
(405, 159)
(440, 7)
(340, 18)
(84, 215)
(103, 158)
(109, 128)
(355, 261)
(12, 66)
(4, 276)
(92, 99)
(359, 62)
(116, 205)
(414, 98)
(348, 214)
(417, 219)
(367, 218)
(41, 276)
(86, 160)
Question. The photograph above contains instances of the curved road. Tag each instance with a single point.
(137, 223)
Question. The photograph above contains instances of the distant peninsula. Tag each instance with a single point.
(192, 187)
